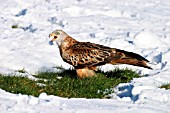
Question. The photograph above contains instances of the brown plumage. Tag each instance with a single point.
(86, 56)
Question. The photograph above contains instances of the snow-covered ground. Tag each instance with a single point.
(140, 26)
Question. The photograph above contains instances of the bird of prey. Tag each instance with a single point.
(86, 56)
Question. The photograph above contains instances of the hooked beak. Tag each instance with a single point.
(51, 38)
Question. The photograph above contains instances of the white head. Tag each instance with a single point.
(57, 36)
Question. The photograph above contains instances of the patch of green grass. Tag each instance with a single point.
(21, 70)
(67, 84)
(18, 84)
(166, 86)
(15, 26)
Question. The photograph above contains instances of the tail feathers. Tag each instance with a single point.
(132, 55)
(124, 57)
(132, 62)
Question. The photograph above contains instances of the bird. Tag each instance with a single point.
(85, 57)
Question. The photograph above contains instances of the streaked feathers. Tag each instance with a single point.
(85, 56)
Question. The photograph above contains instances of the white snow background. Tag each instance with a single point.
(140, 26)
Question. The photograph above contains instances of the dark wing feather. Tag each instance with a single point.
(86, 54)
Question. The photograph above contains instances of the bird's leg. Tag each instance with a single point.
(85, 72)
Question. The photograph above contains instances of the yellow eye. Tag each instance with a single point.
(58, 33)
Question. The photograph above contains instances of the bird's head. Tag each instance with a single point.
(57, 36)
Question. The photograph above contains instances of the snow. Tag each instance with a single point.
(138, 26)
(147, 40)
